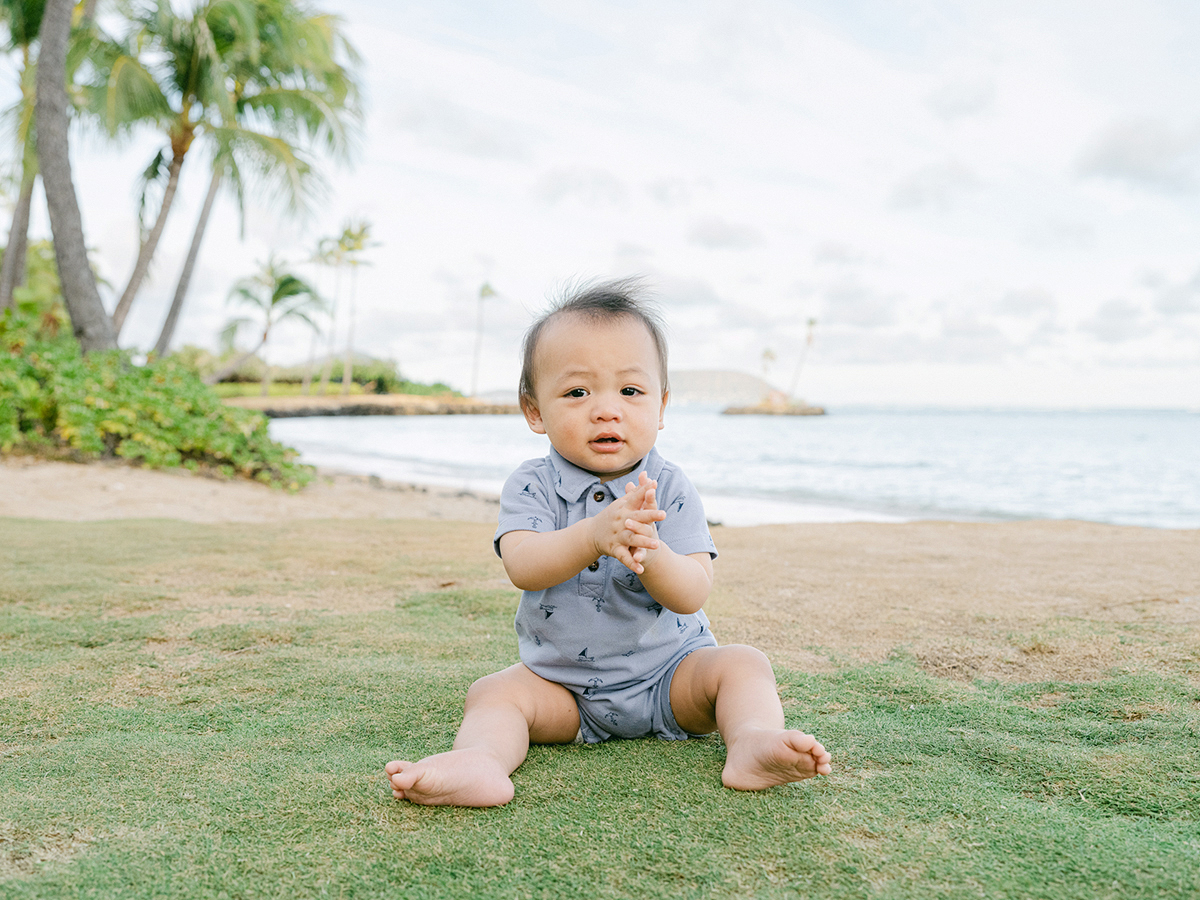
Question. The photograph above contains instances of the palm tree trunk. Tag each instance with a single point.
(330, 347)
(185, 277)
(146, 252)
(90, 322)
(12, 273)
(232, 367)
(306, 387)
(348, 360)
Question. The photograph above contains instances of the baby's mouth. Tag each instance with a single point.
(606, 442)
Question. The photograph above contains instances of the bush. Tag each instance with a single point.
(160, 415)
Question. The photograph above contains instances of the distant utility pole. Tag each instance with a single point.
(484, 292)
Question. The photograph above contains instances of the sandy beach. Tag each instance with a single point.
(1022, 601)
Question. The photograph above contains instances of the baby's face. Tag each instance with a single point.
(599, 392)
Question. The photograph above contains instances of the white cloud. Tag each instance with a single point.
(961, 98)
(935, 186)
(442, 124)
(717, 234)
(932, 182)
(1118, 321)
(1146, 154)
(590, 187)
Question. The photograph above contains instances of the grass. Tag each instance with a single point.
(188, 711)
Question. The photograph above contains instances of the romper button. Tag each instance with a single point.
(598, 496)
(594, 566)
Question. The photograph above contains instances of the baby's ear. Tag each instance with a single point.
(662, 410)
(533, 416)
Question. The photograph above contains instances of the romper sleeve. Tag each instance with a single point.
(685, 529)
(525, 501)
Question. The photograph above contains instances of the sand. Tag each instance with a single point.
(1022, 601)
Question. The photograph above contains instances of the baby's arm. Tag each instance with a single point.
(678, 583)
(535, 561)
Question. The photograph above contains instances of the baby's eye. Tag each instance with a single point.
(631, 391)
(577, 393)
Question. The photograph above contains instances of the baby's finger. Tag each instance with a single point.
(625, 558)
(647, 515)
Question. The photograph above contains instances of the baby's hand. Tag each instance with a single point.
(626, 526)
(649, 501)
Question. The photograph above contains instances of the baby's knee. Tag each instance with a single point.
(499, 687)
(745, 658)
(484, 688)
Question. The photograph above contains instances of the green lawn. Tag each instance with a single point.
(185, 711)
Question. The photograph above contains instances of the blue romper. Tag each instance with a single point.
(600, 634)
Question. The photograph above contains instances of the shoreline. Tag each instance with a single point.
(36, 488)
(290, 407)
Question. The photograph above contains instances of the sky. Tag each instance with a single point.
(981, 204)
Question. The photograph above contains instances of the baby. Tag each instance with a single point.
(609, 543)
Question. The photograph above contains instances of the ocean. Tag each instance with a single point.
(853, 465)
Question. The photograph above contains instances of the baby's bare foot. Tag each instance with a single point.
(764, 757)
(459, 778)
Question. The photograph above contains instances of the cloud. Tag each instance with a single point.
(1175, 299)
(858, 307)
(836, 253)
(591, 187)
(1025, 303)
(629, 257)
(1116, 322)
(958, 99)
(445, 125)
(687, 292)
(717, 234)
(965, 339)
(1061, 234)
(1146, 154)
(670, 192)
(936, 186)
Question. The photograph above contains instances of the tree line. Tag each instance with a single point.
(264, 86)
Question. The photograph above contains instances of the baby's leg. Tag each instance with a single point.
(733, 689)
(503, 713)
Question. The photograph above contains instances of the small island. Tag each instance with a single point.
(776, 403)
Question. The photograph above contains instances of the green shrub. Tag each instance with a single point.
(101, 405)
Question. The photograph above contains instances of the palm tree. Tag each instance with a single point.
(484, 292)
(278, 296)
(354, 240)
(248, 78)
(288, 88)
(24, 19)
(90, 322)
(166, 70)
(325, 255)
(808, 342)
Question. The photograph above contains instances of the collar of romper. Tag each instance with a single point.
(571, 482)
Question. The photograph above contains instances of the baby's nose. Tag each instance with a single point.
(606, 409)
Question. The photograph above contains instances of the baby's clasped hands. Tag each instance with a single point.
(625, 529)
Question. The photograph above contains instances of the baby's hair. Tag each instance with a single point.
(598, 301)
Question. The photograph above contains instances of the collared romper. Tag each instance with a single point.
(600, 634)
